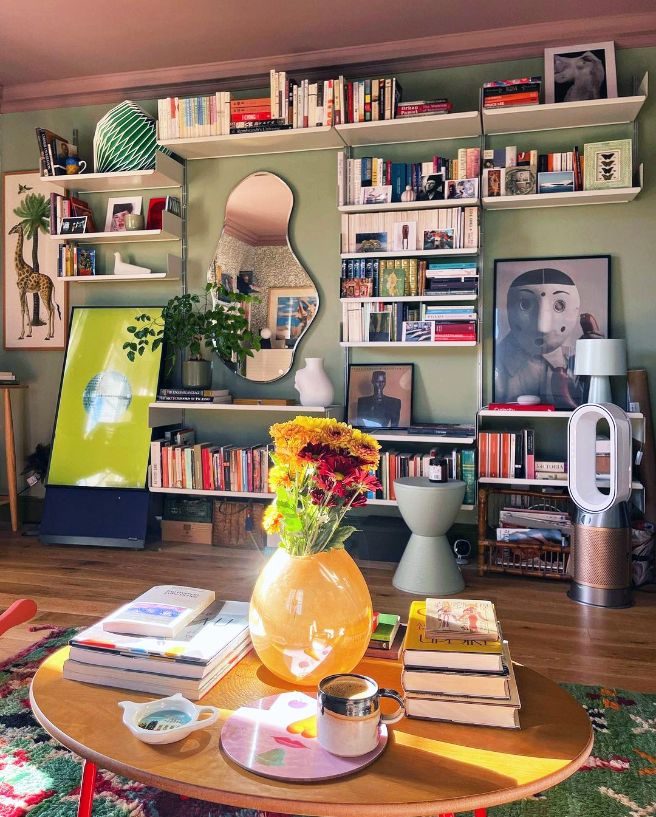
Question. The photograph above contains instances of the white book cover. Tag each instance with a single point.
(161, 611)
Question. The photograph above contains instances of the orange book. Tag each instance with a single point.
(494, 469)
(483, 453)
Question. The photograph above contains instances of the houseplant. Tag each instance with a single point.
(311, 613)
(188, 324)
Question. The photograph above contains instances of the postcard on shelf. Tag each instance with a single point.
(380, 327)
(461, 618)
(494, 180)
(161, 611)
(371, 242)
(86, 261)
(560, 181)
(417, 331)
(432, 187)
(405, 235)
(376, 195)
(117, 209)
(607, 164)
(439, 239)
(462, 189)
(520, 181)
(73, 225)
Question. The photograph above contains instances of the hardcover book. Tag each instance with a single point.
(461, 618)
(162, 611)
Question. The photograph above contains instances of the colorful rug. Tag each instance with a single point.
(40, 778)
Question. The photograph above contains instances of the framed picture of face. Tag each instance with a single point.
(573, 73)
(291, 309)
(380, 395)
(542, 306)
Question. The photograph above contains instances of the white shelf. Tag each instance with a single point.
(201, 492)
(410, 299)
(254, 144)
(167, 173)
(411, 253)
(392, 503)
(407, 205)
(618, 195)
(412, 129)
(394, 437)
(555, 116)
(541, 415)
(548, 483)
(171, 231)
(426, 344)
(173, 273)
(183, 404)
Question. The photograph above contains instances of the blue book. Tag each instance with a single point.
(399, 180)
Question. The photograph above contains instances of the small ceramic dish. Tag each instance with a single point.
(166, 720)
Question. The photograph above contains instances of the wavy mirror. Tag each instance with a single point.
(254, 256)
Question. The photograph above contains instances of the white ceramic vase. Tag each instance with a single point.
(313, 384)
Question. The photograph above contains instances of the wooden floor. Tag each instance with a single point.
(74, 586)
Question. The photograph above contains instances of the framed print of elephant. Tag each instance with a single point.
(35, 299)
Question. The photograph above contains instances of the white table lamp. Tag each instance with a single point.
(599, 359)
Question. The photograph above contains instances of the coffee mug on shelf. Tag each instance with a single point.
(134, 221)
(72, 165)
(349, 715)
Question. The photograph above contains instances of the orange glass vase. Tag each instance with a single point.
(310, 616)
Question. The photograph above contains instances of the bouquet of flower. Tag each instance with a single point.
(322, 469)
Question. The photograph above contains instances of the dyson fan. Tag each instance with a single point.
(602, 534)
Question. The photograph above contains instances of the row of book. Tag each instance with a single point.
(511, 92)
(456, 665)
(191, 661)
(534, 172)
(397, 277)
(396, 464)
(507, 454)
(410, 231)
(185, 395)
(74, 260)
(534, 526)
(378, 322)
(67, 207)
(356, 176)
(8, 378)
(54, 150)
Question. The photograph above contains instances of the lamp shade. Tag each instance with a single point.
(600, 357)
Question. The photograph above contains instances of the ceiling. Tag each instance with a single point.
(51, 55)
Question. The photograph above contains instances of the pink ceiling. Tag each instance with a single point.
(258, 210)
(48, 49)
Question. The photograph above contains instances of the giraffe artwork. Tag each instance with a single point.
(30, 267)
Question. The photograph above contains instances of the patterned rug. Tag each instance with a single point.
(40, 778)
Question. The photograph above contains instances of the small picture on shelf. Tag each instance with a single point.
(558, 181)
(462, 189)
(432, 187)
(607, 164)
(371, 242)
(493, 181)
(379, 395)
(417, 331)
(118, 209)
(578, 72)
(155, 207)
(73, 225)
(438, 239)
(405, 235)
(376, 195)
(380, 327)
(520, 181)
(86, 261)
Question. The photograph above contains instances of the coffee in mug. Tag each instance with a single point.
(348, 713)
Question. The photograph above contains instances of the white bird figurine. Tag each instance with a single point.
(123, 268)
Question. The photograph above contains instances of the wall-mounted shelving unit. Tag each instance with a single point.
(167, 173)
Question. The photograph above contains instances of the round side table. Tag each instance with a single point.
(428, 566)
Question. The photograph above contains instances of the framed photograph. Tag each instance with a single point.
(462, 189)
(493, 181)
(438, 239)
(557, 181)
(380, 326)
(371, 242)
(86, 261)
(35, 299)
(607, 164)
(417, 331)
(118, 209)
(405, 235)
(73, 224)
(291, 309)
(432, 187)
(520, 181)
(573, 73)
(376, 195)
(379, 395)
(542, 306)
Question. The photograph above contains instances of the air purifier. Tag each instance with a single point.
(600, 563)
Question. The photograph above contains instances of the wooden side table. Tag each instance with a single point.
(10, 453)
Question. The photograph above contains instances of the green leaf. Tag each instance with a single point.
(339, 537)
(131, 356)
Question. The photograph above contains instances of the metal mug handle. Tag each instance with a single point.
(400, 712)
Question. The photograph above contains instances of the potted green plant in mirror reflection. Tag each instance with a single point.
(189, 325)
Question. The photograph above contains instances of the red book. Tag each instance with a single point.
(495, 454)
(251, 116)
(513, 100)
(519, 407)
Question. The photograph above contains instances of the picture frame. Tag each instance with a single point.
(571, 297)
(379, 395)
(608, 165)
(371, 242)
(73, 225)
(404, 235)
(381, 194)
(439, 239)
(556, 181)
(34, 319)
(291, 310)
(118, 208)
(520, 180)
(432, 187)
(380, 327)
(573, 73)
(462, 189)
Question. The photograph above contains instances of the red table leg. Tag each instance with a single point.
(85, 806)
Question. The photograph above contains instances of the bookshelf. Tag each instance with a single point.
(548, 483)
(409, 299)
(405, 344)
(466, 125)
(395, 206)
(173, 273)
(412, 253)
(166, 173)
(171, 231)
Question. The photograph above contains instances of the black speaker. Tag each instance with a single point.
(104, 517)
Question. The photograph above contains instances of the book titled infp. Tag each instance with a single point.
(162, 611)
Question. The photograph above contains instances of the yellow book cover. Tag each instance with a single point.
(417, 639)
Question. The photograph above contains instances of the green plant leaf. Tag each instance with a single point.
(339, 537)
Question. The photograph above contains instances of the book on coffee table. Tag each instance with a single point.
(462, 618)
(162, 611)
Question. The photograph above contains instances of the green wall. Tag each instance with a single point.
(445, 386)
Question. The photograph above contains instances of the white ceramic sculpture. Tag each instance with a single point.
(313, 384)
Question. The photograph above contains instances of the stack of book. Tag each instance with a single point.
(8, 378)
(449, 278)
(379, 322)
(456, 666)
(203, 640)
(62, 207)
(387, 637)
(195, 116)
(423, 107)
(183, 395)
(395, 464)
(528, 526)
(73, 260)
(507, 454)
(508, 93)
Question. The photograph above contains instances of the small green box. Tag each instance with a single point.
(187, 509)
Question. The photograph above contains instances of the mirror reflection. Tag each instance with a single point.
(254, 256)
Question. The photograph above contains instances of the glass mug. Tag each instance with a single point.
(348, 713)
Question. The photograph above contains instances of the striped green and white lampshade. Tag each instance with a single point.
(125, 139)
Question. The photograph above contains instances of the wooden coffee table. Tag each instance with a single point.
(428, 768)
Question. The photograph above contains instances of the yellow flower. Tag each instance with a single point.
(279, 477)
(271, 519)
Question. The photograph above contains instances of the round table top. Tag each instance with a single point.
(427, 768)
(424, 482)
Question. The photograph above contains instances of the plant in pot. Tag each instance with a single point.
(188, 325)
(310, 612)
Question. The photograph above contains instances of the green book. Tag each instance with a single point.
(386, 629)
